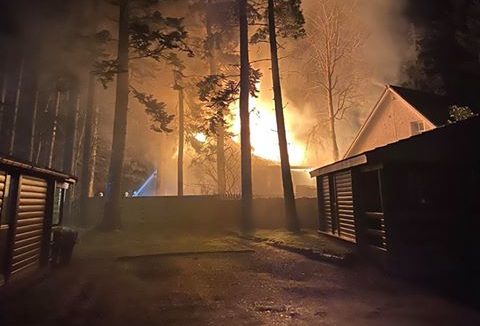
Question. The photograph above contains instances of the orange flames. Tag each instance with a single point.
(263, 132)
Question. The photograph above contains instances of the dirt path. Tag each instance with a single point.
(265, 287)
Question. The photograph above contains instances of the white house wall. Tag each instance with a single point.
(388, 124)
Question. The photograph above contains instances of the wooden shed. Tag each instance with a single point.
(31, 204)
(413, 205)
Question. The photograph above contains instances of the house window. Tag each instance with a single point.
(417, 127)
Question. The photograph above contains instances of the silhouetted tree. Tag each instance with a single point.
(218, 46)
(246, 147)
(290, 25)
(333, 41)
(95, 50)
(179, 87)
(149, 35)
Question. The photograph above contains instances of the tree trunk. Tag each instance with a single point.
(159, 175)
(331, 120)
(42, 138)
(333, 136)
(89, 147)
(93, 157)
(16, 107)
(71, 132)
(33, 126)
(181, 140)
(69, 149)
(3, 95)
(39, 151)
(221, 183)
(293, 224)
(111, 219)
(89, 140)
(246, 148)
(53, 136)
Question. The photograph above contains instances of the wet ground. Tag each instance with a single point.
(232, 282)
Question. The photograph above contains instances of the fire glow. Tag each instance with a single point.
(263, 133)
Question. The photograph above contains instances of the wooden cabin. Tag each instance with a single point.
(413, 205)
(31, 204)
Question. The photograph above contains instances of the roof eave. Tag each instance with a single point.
(431, 124)
(55, 174)
(340, 165)
(365, 123)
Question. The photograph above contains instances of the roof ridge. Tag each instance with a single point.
(418, 91)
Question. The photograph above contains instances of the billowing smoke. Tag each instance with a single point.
(384, 48)
(378, 60)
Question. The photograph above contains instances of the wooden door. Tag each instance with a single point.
(344, 213)
(336, 205)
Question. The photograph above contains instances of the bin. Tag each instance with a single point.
(64, 240)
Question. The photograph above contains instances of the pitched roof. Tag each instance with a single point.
(451, 143)
(435, 108)
(8, 162)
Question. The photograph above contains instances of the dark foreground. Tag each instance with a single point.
(229, 286)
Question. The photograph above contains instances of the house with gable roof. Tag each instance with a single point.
(400, 113)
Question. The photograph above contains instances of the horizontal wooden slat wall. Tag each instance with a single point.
(30, 217)
(327, 204)
(376, 237)
(344, 200)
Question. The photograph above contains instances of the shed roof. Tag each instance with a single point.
(454, 142)
(11, 163)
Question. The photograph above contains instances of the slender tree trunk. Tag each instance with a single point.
(53, 137)
(39, 151)
(69, 149)
(111, 219)
(80, 134)
(221, 180)
(159, 175)
(246, 148)
(89, 142)
(42, 139)
(181, 140)
(77, 152)
(93, 158)
(3, 95)
(16, 107)
(331, 120)
(71, 132)
(88, 149)
(333, 136)
(33, 126)
(288, 193)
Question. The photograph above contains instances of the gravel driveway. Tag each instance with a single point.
(233, 283)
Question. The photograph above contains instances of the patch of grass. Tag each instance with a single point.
(307, 240)
(139, 242)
